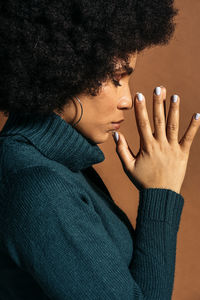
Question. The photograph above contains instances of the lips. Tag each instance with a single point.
(116, 125)
(118, 122)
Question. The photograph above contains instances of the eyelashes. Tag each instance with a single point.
(116, 82)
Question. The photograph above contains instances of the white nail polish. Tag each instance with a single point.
(115, 136)
(157, 90)
(174, 98)
(197, 116)
(140, 96)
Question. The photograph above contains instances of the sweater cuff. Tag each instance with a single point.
(162, 205)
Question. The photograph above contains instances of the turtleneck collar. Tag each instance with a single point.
(55, 139)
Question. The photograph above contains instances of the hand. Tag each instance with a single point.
(161, 161)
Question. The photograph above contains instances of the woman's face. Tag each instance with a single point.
(100, 111)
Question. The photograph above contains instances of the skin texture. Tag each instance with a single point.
(99, 111)
(162, 160)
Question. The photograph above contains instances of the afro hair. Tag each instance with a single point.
(52, 50)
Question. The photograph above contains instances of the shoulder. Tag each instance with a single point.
(16, 152)
(25, 173)
(41, 191)
(19, 156)
(40, 178)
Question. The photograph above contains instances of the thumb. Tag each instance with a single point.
(124, 152)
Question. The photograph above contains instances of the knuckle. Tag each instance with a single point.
(143, 123)
(158, 121)
(172, 127)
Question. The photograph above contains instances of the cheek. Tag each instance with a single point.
(108, 100)
(106, 112)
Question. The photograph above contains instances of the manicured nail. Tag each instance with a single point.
(197, 116)
(139, 96)
(174, 98)
(115, 136)
(157, 90)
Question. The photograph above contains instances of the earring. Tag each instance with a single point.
(81, 111)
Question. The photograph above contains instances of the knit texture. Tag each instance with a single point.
(62, 237)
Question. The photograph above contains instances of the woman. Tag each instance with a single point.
(65, 70)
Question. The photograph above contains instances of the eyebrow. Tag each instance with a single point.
(127, 70)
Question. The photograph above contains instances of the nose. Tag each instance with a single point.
(126, 101)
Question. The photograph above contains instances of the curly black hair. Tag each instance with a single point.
(52, 50)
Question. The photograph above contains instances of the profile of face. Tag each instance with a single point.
(100, 111)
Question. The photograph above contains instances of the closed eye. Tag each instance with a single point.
(116, 82)
(119, 76)
(128, 71)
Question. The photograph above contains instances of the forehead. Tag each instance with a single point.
(133, 59)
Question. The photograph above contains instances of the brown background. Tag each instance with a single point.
(175, 66)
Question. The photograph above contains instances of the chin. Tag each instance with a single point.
(100, 139)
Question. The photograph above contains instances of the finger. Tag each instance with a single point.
(159, 114)
(164, 93)
(190, 133)
(172, 126)
(142, 120)
(124, 152)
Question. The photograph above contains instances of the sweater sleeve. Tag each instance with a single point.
(58, 238)
(153, 262)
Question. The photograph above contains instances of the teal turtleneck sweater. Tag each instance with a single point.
(62, 237)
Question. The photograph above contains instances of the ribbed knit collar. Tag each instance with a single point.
(55, 139)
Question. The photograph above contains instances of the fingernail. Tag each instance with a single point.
(115, 136)
(139, 96)
(197, 116)
(157, 91)
(174, 98)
